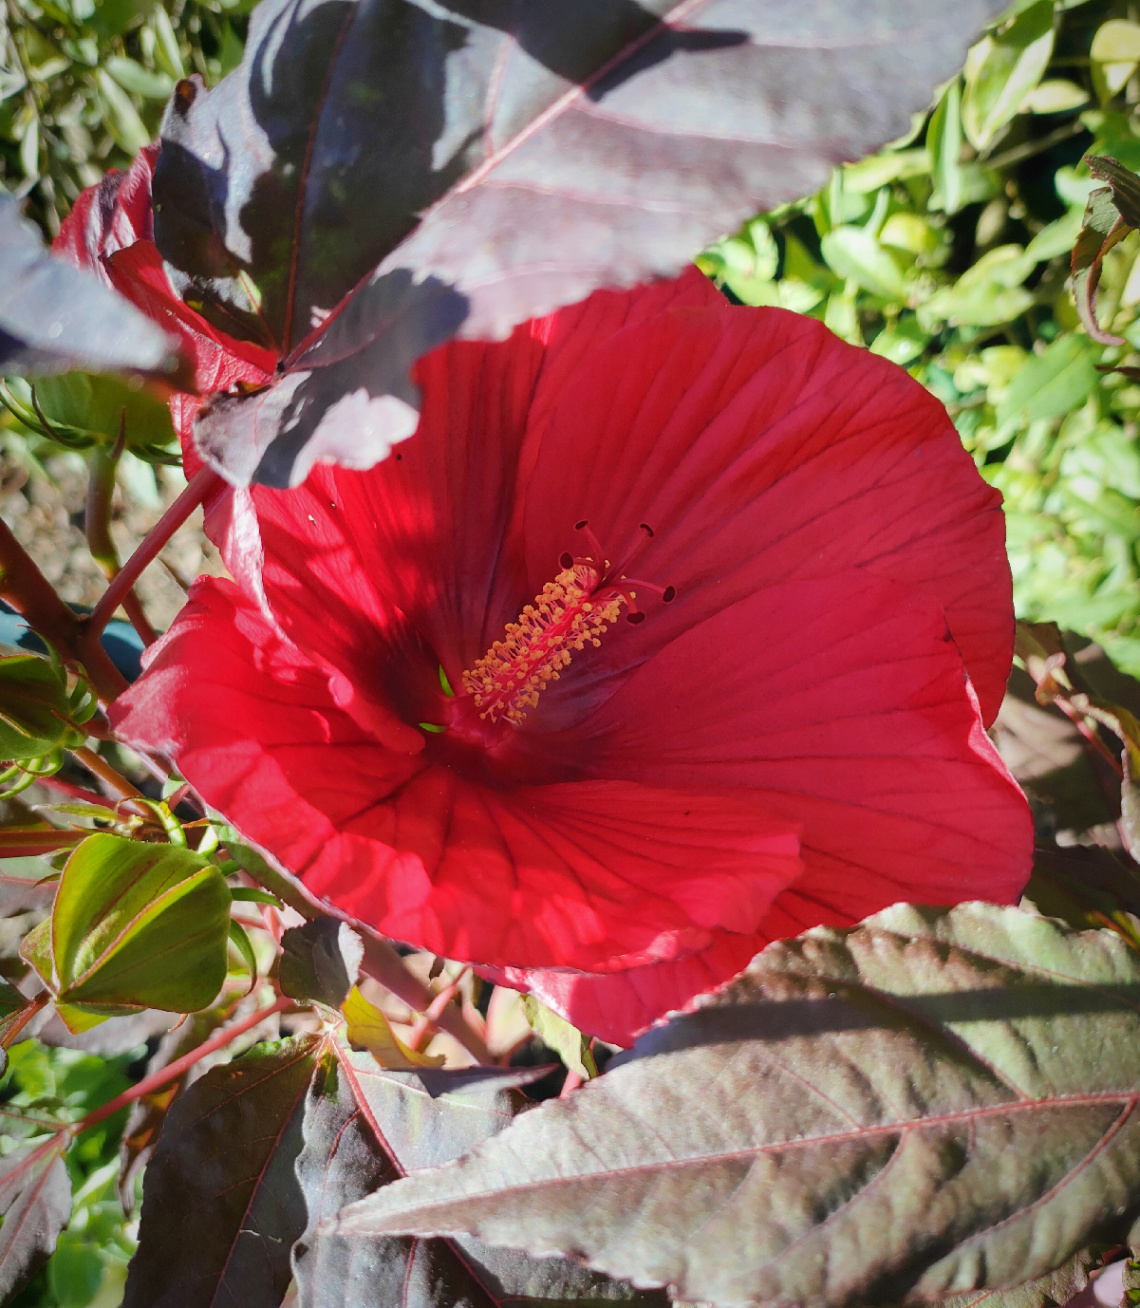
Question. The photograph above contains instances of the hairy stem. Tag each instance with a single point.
(198, 488)
(172, 1071)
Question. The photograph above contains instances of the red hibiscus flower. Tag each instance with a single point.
(664, 636)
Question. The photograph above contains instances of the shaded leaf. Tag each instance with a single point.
(221, 1204)
(35, 1199)
(558, 1034)
(468, 166)
(369, 1029)
(977, 1069)
(35, 708)
(1123, 183)
(79, 408)
(320, 960)
(54, 317)
(139, 924)
(147, 1115)
(352, 1107)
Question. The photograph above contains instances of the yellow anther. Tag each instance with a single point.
(565, 617)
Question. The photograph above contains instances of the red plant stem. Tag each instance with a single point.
(198, 488)
(383, 964)
(106, 773)
(429, 1019)
(172, 1071)
(76, 792)
(24, 1016)
(100, 492)
(572, 1082)
(29, 844)
(30, 593)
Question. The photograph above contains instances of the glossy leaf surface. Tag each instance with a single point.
(139, 924)
(468, 166)
(977, 1070)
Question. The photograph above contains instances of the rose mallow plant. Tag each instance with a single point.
(674, 629)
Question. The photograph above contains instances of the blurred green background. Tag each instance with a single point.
(948, 253)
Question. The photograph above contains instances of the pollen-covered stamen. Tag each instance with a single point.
(572, 611)
(565, 617)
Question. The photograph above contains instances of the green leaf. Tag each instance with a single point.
(988, 293)
(35, 1199)
(423, 1120)
(1002, 69)
(854, 252)
(78, 408)
(133, 77)
(931, 1103)
(320, 961)
(1055, 382)
(123, 119)
(221, 1202)
(565, 1039)
(35, 708)
(944, 141)
(139, 924)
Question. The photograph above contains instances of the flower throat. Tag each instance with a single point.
(569, 613)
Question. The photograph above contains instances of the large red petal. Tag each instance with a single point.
(590, 875)
(619, 1006)
(760, 446)
(842, 705)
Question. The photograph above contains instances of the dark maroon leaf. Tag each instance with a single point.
(470, 164)
(931, 1103)
(1102, 228)
(320, 960)
(221, 1203)
(56, 318)
(35, 1199)
(1069, 786)
(365, 1128)
(1124, 183)
(147, 1115)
